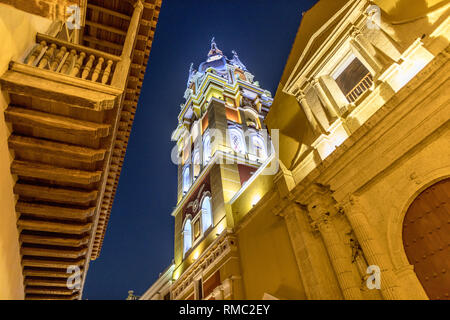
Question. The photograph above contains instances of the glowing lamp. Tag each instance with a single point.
(255, 199)
(220, 229)
(196, 254)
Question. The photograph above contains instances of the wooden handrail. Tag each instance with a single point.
(79, 48)
(73, 60)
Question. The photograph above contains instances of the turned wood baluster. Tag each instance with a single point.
(88, 67)
(107, 72)
(57, 59)
(68, 61)
(77, 67)
(97, 69)
(36, 52)
(47, 56)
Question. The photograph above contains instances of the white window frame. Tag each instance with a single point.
(187, 233)
(257, 137)
(253, 116)
(196, 164)
(237, 132)
(206, 148)
(186, 179)
(207, 214)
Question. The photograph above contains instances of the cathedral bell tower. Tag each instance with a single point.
(221, 142)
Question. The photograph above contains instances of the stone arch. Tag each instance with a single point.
(252, 118)
(412, 188)
(425, 238)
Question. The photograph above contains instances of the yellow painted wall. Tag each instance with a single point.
(267, 260)
(17, 33)
(257, 189)
(51, 9)
(405, 10)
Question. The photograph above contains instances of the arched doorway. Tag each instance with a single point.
(426, 238)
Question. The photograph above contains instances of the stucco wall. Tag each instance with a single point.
(267, 260)
(51, 9)
(17, 32)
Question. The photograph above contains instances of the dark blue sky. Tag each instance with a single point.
(138, 243)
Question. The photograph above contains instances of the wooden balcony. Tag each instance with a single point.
(71, 108)
(62, 111)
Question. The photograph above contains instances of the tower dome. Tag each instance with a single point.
(215, 60)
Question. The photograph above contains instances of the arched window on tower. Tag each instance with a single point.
(186, 179)
(196, 164)
(187, 236)
(251, 119)
(259, 147)
(206, 149)
(240, 75)
(237, 141)
(207, 217)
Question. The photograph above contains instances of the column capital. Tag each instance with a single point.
(351, 203)
(287, 206)
(320, 202)
(138, 4)
(301, 96)
(310, 80)
(315, 81)
(354, 32)
(295, 90)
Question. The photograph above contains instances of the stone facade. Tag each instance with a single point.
(356, 190)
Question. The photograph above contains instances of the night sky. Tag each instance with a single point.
(138, 243)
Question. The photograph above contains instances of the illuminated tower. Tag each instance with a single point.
(221, 143)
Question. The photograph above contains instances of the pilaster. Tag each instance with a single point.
(371, 248)
(317, 128)
(364, 50)
(326, 101)
(314, 267)
(322, 210)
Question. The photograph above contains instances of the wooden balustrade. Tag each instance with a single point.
(72, 60)
(362, 86)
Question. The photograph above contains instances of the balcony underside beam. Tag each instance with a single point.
(53, 173)
(58, 195)
(56, 149)
(26, 80)
(28, 117)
